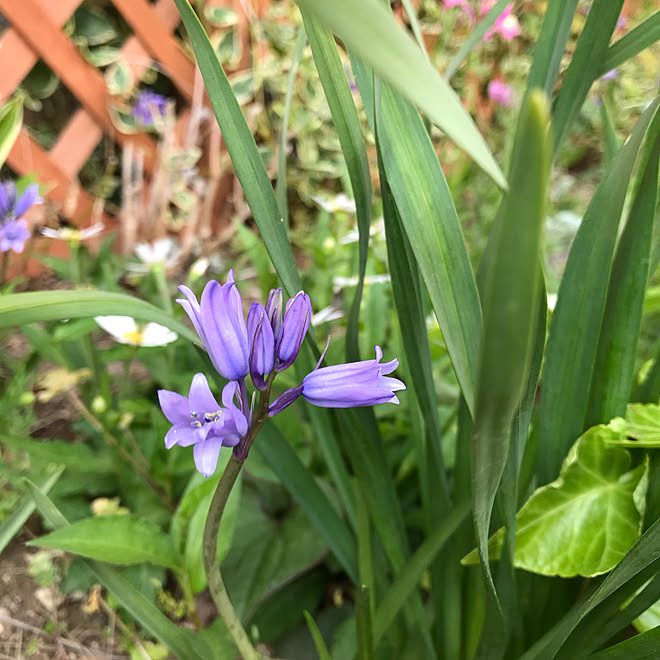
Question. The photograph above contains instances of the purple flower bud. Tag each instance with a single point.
(262, 345)
(200, 421)
(354, 384)
(294, 327)
(284, 400)
(274, 310)
(220, 323)
(7, 199)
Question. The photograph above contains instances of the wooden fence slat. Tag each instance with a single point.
(76, 143)
(83, 80)
(155, 35)
(17, 58)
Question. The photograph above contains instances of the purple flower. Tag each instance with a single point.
(148, 105)
(13, 235)
(198, 420)
(610, 75)
(262, 345)
(274, 310)
(499, 92)
(220, 324)
(294, 328)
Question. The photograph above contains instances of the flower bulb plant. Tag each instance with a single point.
(262, 347)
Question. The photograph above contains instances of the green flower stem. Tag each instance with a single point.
(212, 528)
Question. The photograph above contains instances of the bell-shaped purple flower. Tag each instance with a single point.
(262, 345)
(13, 235)
(200, 421)
(294, 328)
(353, 384)
(274, 310)
(220, 323)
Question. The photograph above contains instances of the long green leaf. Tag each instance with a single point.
(287, 466)
(431, 224)
(24, 510)
(243, 151)
(590, 51)
(551, 45)
(612, 378)
(641, 37)
(11, 118)
(370, 31)
(182, 642)
(510, 318)
(33, 306)
(640, 647)
(576, 322)
(344, 114)
(319, 642)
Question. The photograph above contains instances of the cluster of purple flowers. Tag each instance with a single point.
(265, 345)
(148, 105)
(13, 226)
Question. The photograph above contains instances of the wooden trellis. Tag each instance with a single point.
(35, 32)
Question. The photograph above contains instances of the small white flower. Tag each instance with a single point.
(341, 202)
(73, 233)
(199, 268)
(163, 252)
(326, 315)
(340, 283)
(377, 229)
(125, 330)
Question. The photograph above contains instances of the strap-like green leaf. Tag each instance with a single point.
(243, 151)
(576, 322)
(642, 36)
(370, 31)
(11, 118)
(31, 307)
(640, 647)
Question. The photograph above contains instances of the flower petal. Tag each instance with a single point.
(206, 455)
(200, 397)
(174, 407)
(29, 198)
(182, 435)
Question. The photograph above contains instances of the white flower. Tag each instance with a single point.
(73, 233)
(377, 229)
(125, 330)
(341, 202)
(340, 283)
(326, 315)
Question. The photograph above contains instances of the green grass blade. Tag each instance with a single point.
(11, 118)
(414, 26)
(319, 642)
(612, 379)
(183, 643)
(365, 552)
(33, 306)
(611, 140)
(369, 30)
(576, 322)
(243, 150)
(475, 38)
(641, 647)
(509, 327)
(590, 51)
(643, 36)
(365, 638)
(344, 114)
(300, 482)
(280, 185)
(551, 45)
(429, 218)
(24, 510)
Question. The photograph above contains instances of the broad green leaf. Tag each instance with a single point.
(642, 36)
(19, 516)
(510, 303)
(267, 553)
(11, 118)
(639, 647)
(576, 322)
(182, 642)
(590, 51)
(614, 368)
(31, 307)
(431, 224)
(370, 31)
(344, 114)
(640, 428)
(243, 151)
(586, 521)
(118, 539)
(300, 482)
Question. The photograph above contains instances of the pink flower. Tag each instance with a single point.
(463, 4)
(506, 24)
(499, 92)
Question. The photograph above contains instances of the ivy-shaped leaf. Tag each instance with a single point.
(584, 522)
(640, 428)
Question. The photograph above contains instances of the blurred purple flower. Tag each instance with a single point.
(220, 324)
(499, 92)
(148, 104)
(13, 227)
(200, 421)
(610, 75)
